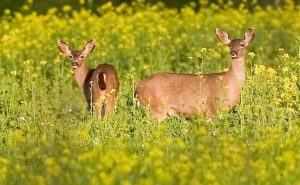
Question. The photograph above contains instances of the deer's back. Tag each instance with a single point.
(92, 82)
(112, 81)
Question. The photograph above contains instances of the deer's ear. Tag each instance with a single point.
(249, 35)
(89, 47)
(64, 47)
(223, 36)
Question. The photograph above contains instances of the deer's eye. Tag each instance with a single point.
(81, 56)
(229, 45)
(70, 56)
(242, 45)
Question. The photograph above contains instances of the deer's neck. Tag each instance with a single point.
(81, 73)
(237, 70)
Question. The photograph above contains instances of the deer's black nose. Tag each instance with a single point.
(74, 65)
(233, 54)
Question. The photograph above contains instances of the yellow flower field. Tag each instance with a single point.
(47, 136)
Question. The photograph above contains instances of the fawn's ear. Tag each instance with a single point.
(222, 36)
(102, 80)
(63, 47)
(249, 35)
(89, 47)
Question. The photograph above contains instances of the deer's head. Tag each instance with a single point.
(76, 56)
(237, 46)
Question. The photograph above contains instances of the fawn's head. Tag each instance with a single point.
(237, 46)
(78, 56)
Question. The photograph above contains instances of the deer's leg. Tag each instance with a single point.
(99, 104)
(110, 105)
(99, 109)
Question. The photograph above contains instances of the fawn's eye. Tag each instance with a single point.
(229, 45)
(70, 56)
(242, 45)
(81, 56)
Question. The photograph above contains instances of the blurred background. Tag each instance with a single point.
(43, 6)
(48, 137)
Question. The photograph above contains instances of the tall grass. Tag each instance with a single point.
(47, 135)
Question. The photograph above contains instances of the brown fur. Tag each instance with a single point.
(100, 85)
(189, 94)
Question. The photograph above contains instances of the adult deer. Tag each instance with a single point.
(100, 85)
(189, 94)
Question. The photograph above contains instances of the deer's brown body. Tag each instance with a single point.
(100, 85)
(189, 94)
(97, 94)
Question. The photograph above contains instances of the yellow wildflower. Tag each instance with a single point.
(66, 8)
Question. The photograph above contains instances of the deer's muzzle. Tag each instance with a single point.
(75, 65)
(233, 54)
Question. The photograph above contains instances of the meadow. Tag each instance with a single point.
(47, 136)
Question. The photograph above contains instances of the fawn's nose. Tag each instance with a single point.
(74, 65)
(233, 54)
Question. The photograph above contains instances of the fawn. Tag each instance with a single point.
(189, 94)
(100, 85)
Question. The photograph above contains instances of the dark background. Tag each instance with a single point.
(41, 6)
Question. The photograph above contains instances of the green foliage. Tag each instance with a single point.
(48, 137)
